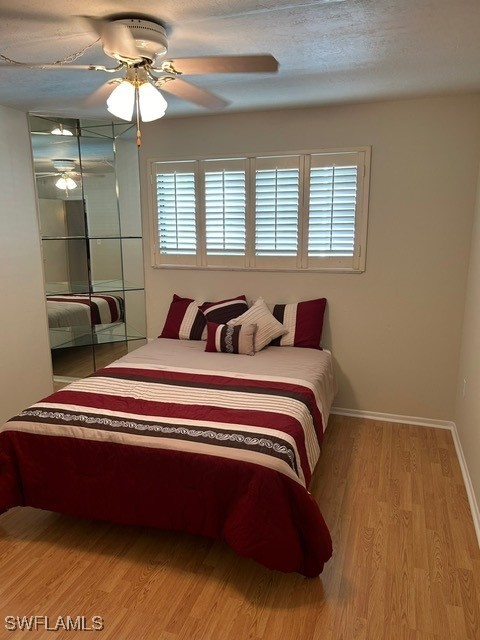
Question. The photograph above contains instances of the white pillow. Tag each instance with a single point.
(268, 327)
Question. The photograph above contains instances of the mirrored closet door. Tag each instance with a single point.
(89, 207)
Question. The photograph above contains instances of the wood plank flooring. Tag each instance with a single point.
(77, 362)
(406, 563)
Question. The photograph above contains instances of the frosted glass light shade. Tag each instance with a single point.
(61, 131)
(122, 100)
(66, 183)
(151, 102)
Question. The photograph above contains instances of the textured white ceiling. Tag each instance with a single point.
(330, 51)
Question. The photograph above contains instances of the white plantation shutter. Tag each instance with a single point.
(280, 212)
(176, 209)
(331, 226)
(336, 227)
(277, 199)
(225, 207)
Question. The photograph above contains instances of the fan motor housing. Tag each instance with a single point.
(150, 37)
(63, 164)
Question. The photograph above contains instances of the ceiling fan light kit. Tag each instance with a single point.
(121, 101)
(64, 166)
(152, 104)
(66, 183)
(61, 131)
(136, 91)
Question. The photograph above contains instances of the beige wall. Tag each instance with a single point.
(395, 330)
(25, 372)
(468, 397)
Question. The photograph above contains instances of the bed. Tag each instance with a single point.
(170, 436)
(73, 310)
(72, 318)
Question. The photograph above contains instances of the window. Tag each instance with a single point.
(302, 211)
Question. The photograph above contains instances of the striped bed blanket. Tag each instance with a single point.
(73, 310)
(229, 457)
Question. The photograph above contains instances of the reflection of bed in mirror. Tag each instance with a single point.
(74, 316)
(77, 309)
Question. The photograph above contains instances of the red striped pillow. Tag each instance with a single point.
(225, 310)
(226, 338)
(304, 321)
(186, 319)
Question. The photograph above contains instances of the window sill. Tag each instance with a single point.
(257, 269)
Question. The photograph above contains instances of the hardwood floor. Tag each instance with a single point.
(77, 362)
(406, 562)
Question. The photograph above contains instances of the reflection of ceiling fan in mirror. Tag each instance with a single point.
(65, 169)
(57, 130)
(139, 46)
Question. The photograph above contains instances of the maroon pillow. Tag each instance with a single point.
(186, 321)
(224, 310)
(304, 321)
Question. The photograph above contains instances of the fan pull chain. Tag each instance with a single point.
(137, 109)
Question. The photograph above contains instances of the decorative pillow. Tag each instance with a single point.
(304, 323)
(227, 338)
(225, 310)
(268, 328)
(185, 320)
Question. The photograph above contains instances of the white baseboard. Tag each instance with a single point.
(65, 379)
(472, 500)
(393, 417)
(436, 424)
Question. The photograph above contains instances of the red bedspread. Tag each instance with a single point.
(226, 457)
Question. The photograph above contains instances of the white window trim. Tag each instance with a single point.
(252, 262)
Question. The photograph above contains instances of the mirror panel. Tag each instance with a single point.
(106, 264)
(135, 314)
(132, 255)
(90, 225)
(99, 183)
(65, 266)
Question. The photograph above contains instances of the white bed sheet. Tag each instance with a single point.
(67, 314)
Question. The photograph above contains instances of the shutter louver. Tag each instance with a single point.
(333, 192)
(276, 212)
(176, 212)
(225, 203)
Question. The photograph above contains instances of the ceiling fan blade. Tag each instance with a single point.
(117, 39)
(224, 64)
(28, 14)
(191, 93)
(100, 95)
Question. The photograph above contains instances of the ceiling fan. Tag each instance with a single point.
(66, 172)
(65, 169)
(139, 47)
